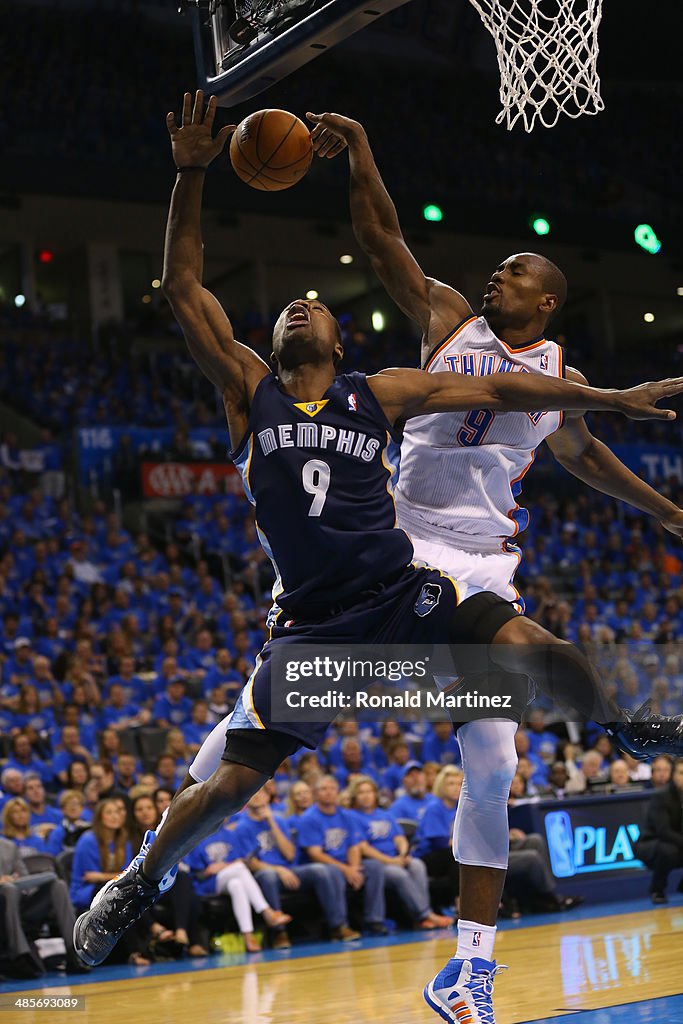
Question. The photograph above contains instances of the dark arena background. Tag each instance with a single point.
(134, 589)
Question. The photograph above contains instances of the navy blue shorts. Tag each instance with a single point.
(418, 607)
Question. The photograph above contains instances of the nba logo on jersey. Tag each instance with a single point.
(353, 403)
(476, 939)
(428, 599)
(544, 361)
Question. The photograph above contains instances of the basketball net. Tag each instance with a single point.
(547, 56)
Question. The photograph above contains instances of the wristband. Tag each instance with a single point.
(190, 167)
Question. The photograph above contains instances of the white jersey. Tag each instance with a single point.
(461, 473)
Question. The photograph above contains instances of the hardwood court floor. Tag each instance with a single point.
(622, 962)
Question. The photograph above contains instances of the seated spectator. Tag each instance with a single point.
(660, 845)
(328, 834)
(299, 799)
(354, 761)
(134, 689)
(389, 733)
(73, 822)
(440, 744)
(30, 713)
(431, 770)
(273, 857)
(109, 746)
(399, 756)
(24, 908)
(308, 767)
(100, 854)
(168, 773)
(78, 775)
(538, 776)
(383, 840)
(433, 841)
(590, 776)
(218, 868)
(12, 783)
(558, 777)
(43, 816)
(618, 776)
(172, 708)
(126, 771)
(542, 743)
(15, 827)
(71, 749)
(530, 878)
(223, 673)
(415, 800)
(177, 748)
(661, 771)
(201, 658)
(181, 903)
(162, 799)
(23, 759)
(117, 713)
(198, 728)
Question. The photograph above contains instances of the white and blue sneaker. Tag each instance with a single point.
(166, 883)
(462, 992)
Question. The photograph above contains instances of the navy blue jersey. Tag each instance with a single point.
(321, 476)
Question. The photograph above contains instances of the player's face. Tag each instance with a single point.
(305, 332)
(514, 293)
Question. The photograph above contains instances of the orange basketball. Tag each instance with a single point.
(271, 150)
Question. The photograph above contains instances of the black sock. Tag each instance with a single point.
(147, 880)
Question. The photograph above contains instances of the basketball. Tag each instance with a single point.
(271, 150)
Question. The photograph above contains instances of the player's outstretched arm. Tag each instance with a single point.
(590, 460)
(231, 367)
(434, 306)
(406, 393)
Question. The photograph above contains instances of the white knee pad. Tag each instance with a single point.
(208, 757)
(489, 760)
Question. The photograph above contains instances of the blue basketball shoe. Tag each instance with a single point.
(117, 905)
(166, 883)
(462, 992)
(645, 735)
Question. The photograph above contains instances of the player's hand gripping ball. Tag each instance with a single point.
(271, 150)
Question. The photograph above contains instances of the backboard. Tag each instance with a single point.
(244, 46)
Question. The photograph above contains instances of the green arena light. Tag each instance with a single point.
(540, 225)
(646, 238)
(432, 212)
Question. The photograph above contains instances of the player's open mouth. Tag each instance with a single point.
(491, 291)
(297, 317)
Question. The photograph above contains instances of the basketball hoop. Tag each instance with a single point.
(547, 56)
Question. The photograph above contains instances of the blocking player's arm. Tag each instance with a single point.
(434, 306)
(231, 367)
(406, 393)
(590, 460)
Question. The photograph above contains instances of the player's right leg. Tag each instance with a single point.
(196, 814)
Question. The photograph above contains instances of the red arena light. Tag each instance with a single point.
(45, 256)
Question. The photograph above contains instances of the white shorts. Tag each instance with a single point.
(494, 570)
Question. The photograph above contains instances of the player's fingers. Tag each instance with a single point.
(210, 112)
(187, 108)
(327, 145)
(315, 118)
(318, 132)
(170, 123)
(198, 110)
(339, 147)
(223, 135)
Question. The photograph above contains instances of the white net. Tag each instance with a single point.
(547, 56)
